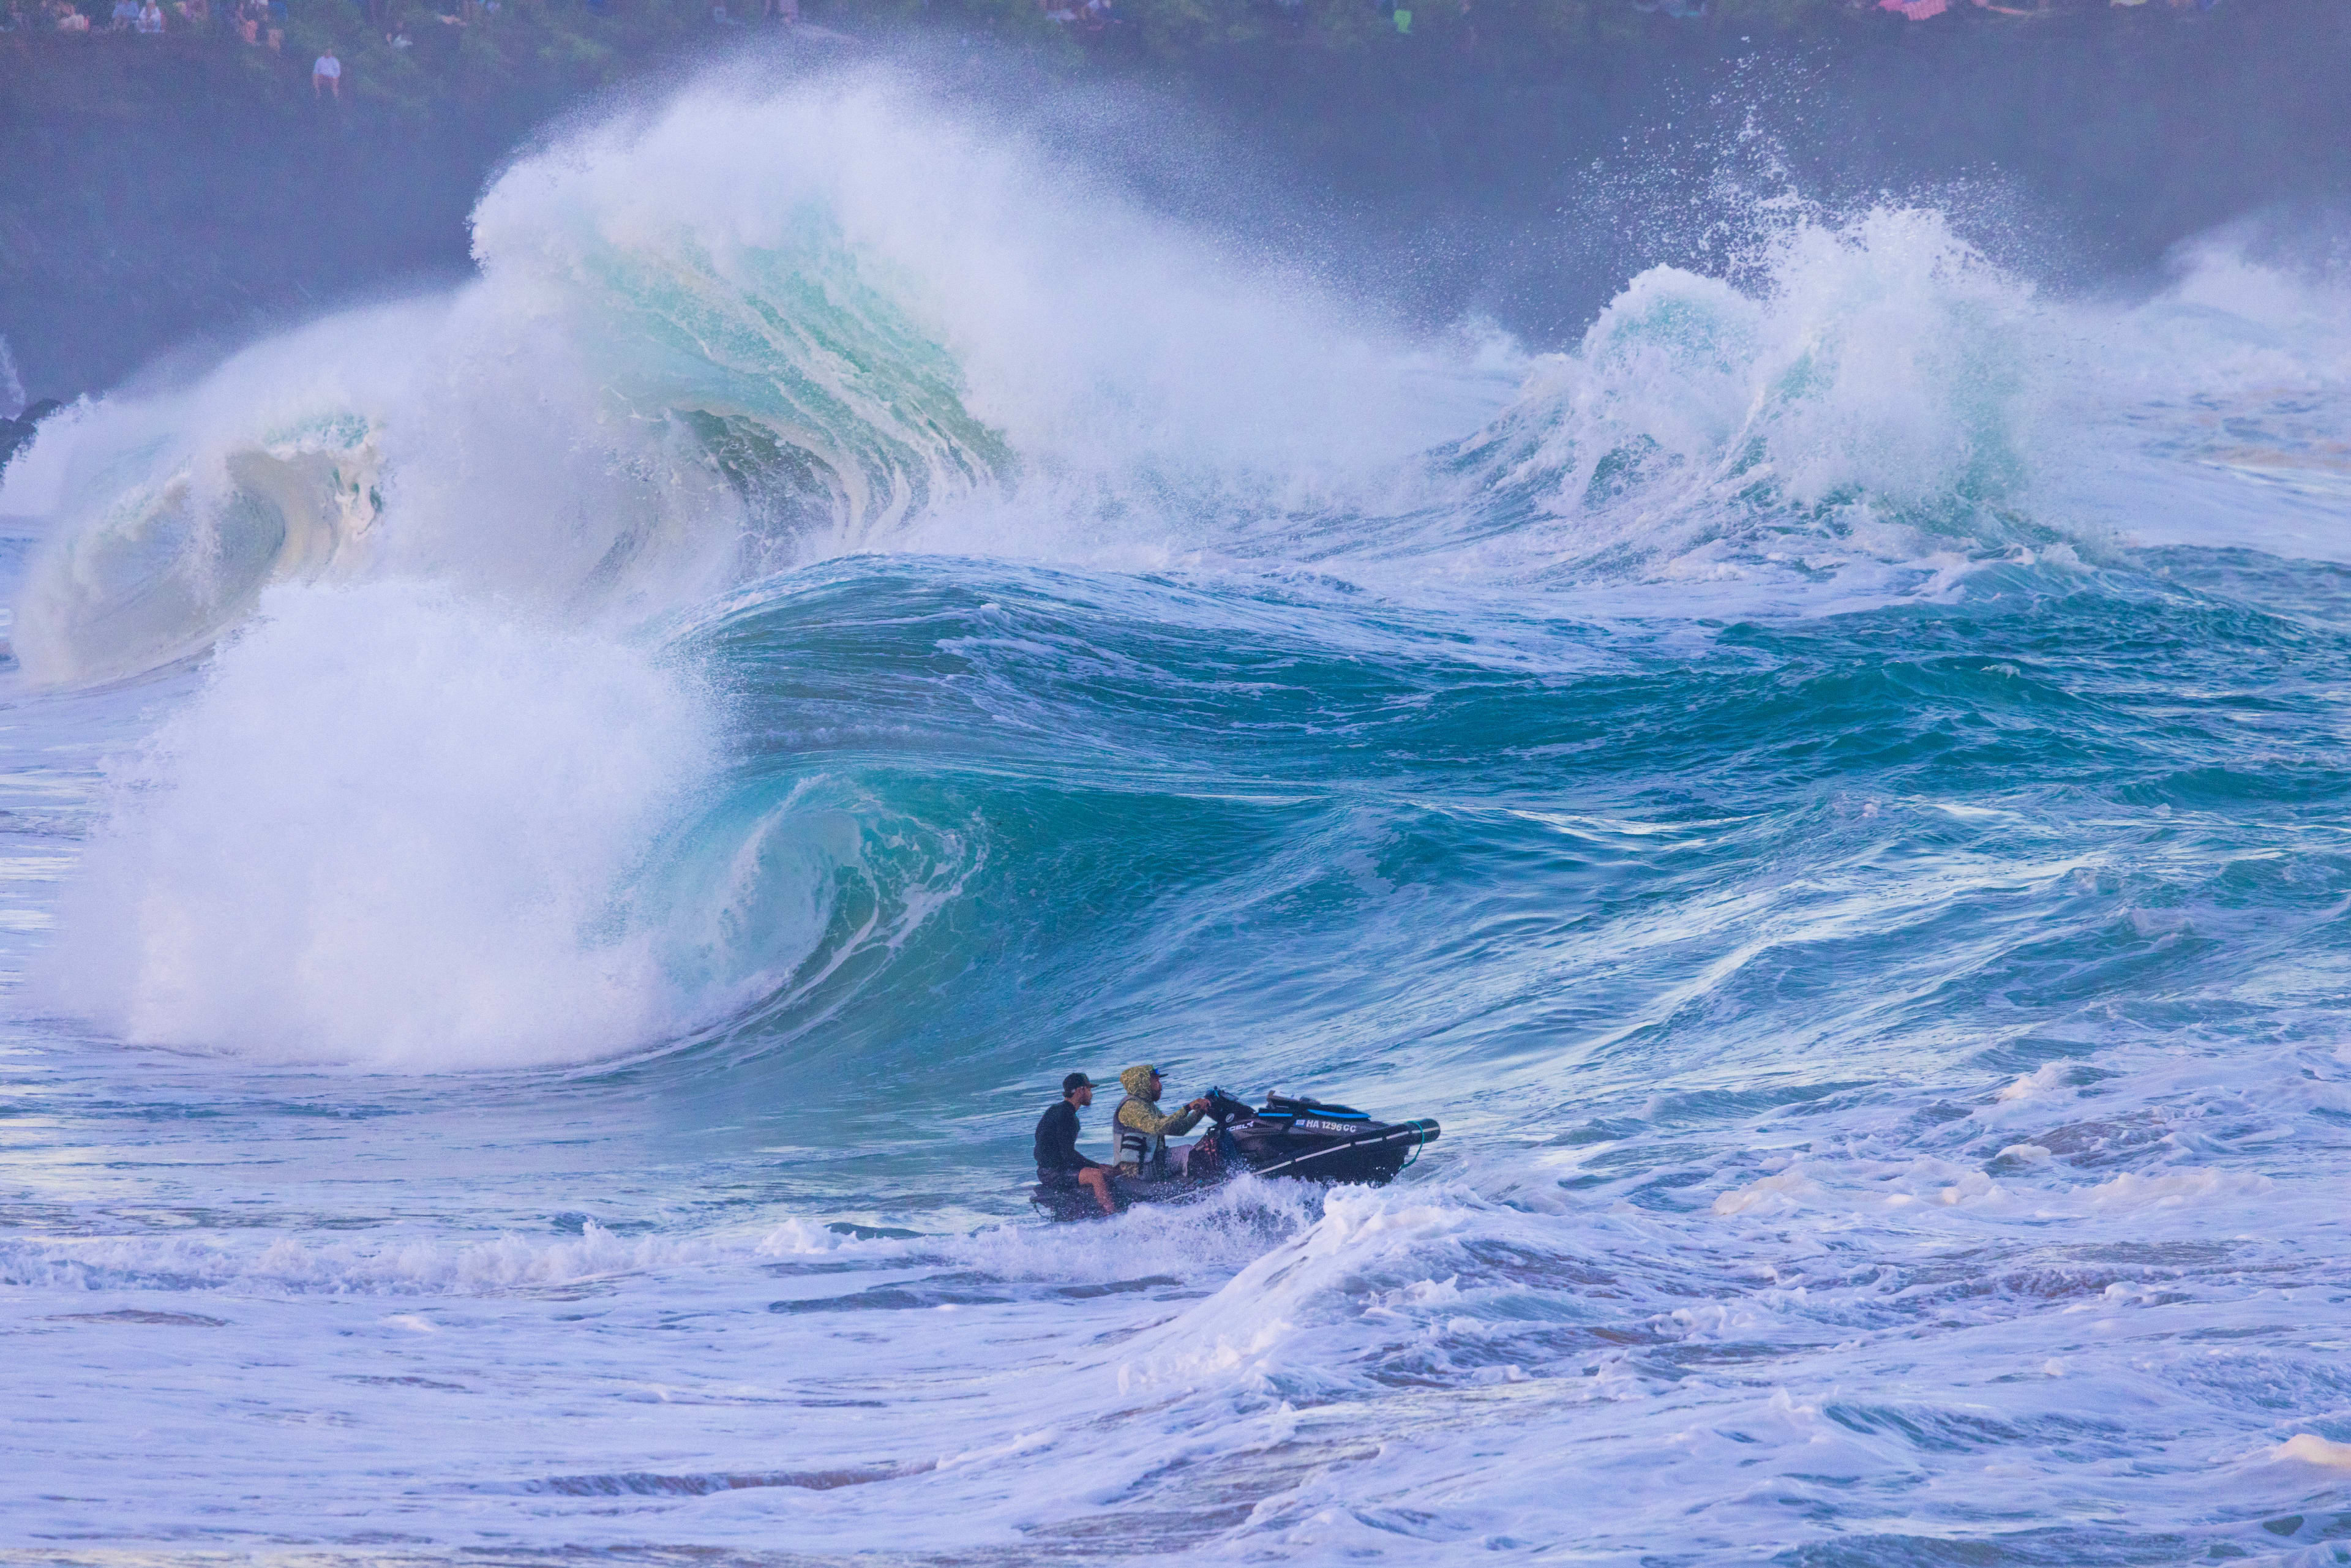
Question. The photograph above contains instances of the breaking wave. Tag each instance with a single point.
(548, 637)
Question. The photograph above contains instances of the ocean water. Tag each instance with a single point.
(559, 833)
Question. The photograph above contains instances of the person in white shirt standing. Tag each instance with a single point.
(327, 76)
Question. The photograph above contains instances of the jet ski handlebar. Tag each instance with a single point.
(1224, 1108)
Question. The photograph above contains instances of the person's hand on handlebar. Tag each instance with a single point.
(1197, 1105)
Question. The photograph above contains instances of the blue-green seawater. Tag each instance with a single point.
(541, 914)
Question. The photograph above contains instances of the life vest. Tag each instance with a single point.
(1147, 1152)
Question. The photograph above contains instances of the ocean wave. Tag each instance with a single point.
(569, 692)
(739, 333)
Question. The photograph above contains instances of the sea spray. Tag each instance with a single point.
(741, 334)
(1877, 392)
(396, 830)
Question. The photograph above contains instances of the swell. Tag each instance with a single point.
(675, 566)
(1074, 821)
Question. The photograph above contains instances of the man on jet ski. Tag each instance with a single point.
(1141, 1129)
(1058, 1163)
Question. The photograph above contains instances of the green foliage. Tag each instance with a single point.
(405, 60)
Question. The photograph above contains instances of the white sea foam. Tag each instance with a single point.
(1084, 330)
(393, 828)
(431, 1266)
(32, 486)
(1881, 379)
(1420, 1365)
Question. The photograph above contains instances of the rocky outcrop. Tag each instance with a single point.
(17, 433)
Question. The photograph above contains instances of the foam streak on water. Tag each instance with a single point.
(555, 838)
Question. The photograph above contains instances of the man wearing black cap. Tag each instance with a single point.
(1058, 1163)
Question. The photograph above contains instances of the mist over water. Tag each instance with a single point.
(390, 828)
(562, 830)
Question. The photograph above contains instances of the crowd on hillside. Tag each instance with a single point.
(261, 23)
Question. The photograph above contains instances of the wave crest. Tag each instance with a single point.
(1876, 393)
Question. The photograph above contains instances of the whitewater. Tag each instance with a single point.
(559, 831)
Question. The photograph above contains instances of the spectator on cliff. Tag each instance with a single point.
(327, 76)
(73, 21)
(151, 18)
(125, 16)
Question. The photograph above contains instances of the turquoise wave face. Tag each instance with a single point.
(798, 377)
(1527, 873)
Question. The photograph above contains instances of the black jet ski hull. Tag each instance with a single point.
(1367, 1158)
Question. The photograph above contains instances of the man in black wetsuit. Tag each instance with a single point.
(1058, 1163)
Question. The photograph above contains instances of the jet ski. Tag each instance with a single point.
(1312, 1140)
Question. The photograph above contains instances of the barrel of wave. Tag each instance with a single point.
(156, 571)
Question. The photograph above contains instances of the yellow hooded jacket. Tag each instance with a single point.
(1140, 1128)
